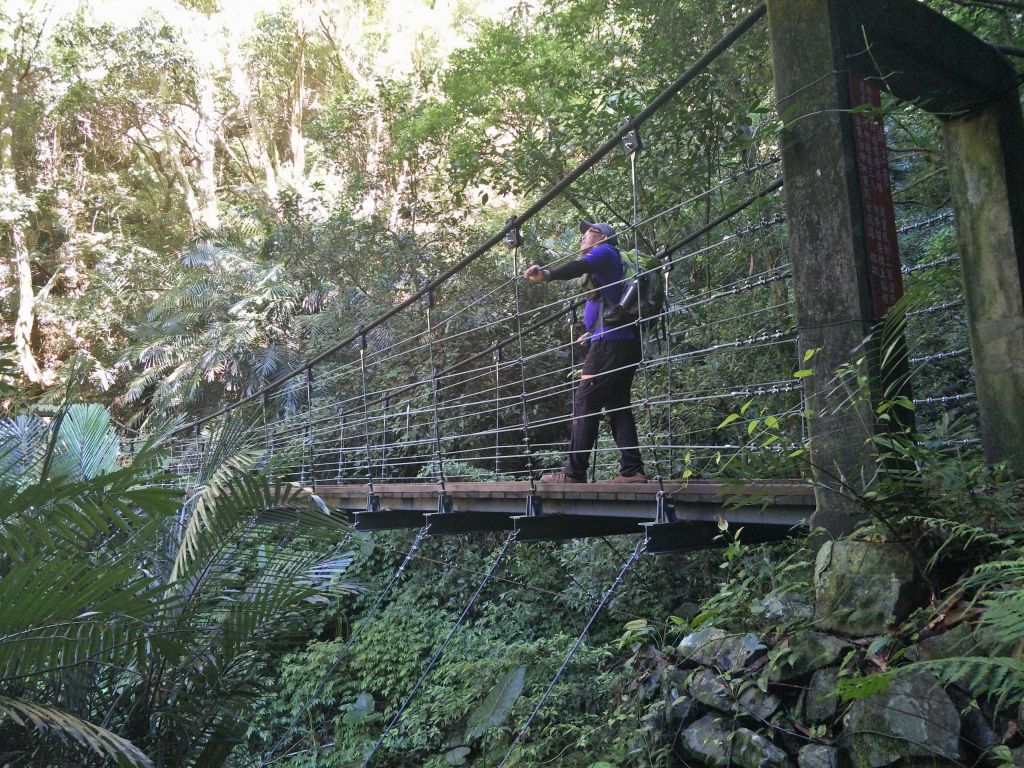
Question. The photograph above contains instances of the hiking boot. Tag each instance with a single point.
(561, 477)
(640, 477)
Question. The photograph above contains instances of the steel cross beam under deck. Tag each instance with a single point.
(767, 511)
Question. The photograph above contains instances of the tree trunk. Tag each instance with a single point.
(296, 141)
(206, 151)
(191, 201)
(25, 319)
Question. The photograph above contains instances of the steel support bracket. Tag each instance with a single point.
(665, 511)
(534, 505)
(444, 503)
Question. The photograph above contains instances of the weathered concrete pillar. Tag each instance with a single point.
(826, 235)
(985, 156)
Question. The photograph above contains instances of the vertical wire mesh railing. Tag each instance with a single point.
(453, 390)
(373, 412)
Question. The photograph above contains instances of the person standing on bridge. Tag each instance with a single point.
(613, 356)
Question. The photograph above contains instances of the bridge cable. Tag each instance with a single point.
(444, 502)
(361, 343)
(515, 241)
(632, 145)
(627, 566)
(437, 655)
(367, 616)
(573, 304)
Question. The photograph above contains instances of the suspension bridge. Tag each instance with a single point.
(448, 406)
(441, 414)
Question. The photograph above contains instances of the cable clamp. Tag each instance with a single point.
(514, 238)
(631, 142)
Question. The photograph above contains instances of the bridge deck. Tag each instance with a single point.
(766, 510)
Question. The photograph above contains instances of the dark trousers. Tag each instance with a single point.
(612, 366)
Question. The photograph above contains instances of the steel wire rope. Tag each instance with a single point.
(770, 387)
(691, 73)
(745, 171)
(564, 309)
(727, 240)
(645, 586)
(529, 587)
(637, 551)
(416, 542)
(925, 223)
(632, 228)
(944, 306)
(509, 540)
(940, 355)
(765, 388)
(930, 264)
(538, 395)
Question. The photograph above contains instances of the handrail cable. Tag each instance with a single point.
(574, 303)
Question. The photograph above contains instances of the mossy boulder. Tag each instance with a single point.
(714, 647)
(913, 717)
(864, 588)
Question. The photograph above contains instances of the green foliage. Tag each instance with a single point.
(156, 666)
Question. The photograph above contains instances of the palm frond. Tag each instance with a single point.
(86, 444)
(22, 447)
(48, 720)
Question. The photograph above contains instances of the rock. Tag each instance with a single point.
(817, 756)
(680, 707)
(752, 750)
(964, 639)
(1017, 757)
(707, 741)
(680, 710)
(819, 701)
(807, 652)
(711, 690)
(913, 718)
(785, 609)
(713, 647)
(715, 692)
(755, 703)
(863, 588)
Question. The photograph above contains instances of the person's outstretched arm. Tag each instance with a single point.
(539, 274)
